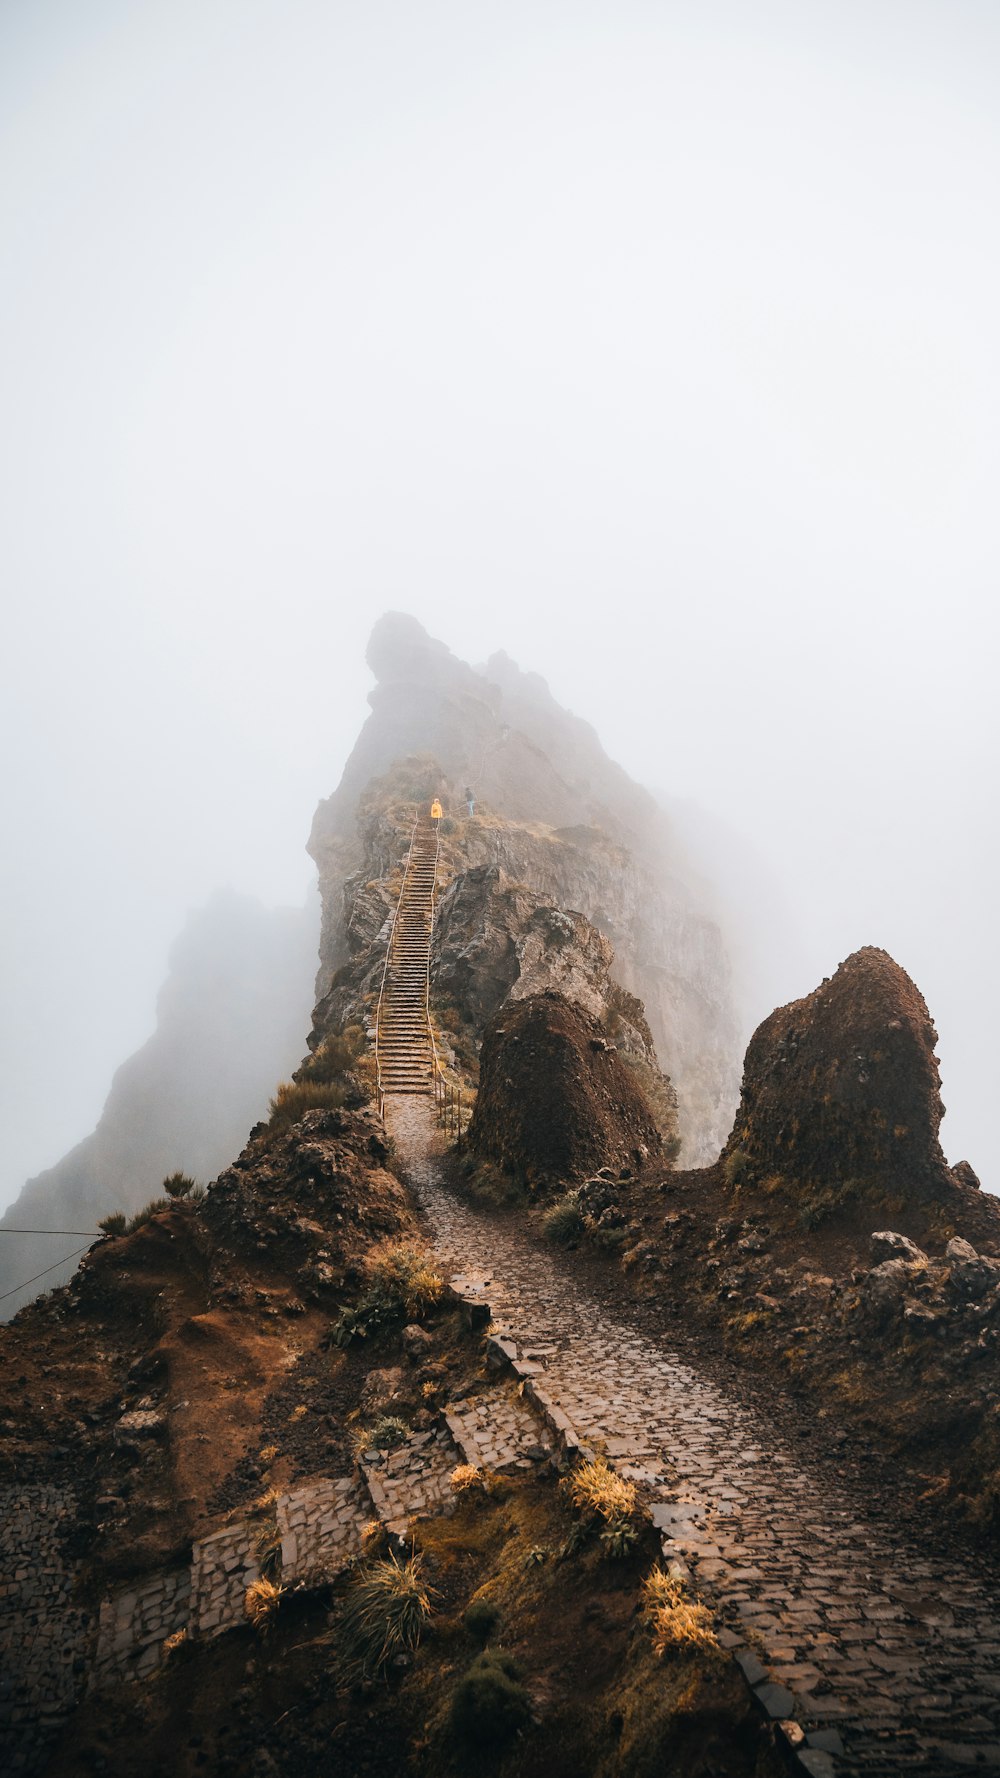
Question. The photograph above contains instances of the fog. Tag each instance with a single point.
(655, 344)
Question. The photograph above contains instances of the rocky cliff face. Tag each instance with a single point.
(553, 813)
(496, 943)
(230, 1022)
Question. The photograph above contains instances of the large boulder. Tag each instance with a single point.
(841, 1089)
(556, 1101)
(971, 1274)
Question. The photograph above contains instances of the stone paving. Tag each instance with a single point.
(133, 1626)
(886, 1655)
(413, 1480)
(43, 1636)
(321, 1528)
(499, 1433)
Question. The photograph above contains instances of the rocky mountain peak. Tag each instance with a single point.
(553, 811)
(842, 1087)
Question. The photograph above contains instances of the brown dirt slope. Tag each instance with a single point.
(195, 1319)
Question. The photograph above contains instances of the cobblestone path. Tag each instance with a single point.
(886, 1654)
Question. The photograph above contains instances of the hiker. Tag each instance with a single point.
(470, 802)
(436, 810)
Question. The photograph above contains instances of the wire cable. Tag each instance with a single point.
(48, 1269)
(94, 1232)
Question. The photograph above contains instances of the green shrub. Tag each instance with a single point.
(490, 1704)
(481, 1619)
(295, 1097)
(387, 1434)
(399, 1285)
(153, 1208)
(619, 1538)
(335, 1056)
(114, 1224)
(384, 1614)
(736, 1167)
(563, 1220)
(179, 1185)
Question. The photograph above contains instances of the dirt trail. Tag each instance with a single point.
(886, 1652)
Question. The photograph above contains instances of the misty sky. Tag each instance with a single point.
(654, 343)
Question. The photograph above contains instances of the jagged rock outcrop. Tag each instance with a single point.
(494, 938)
(552, 812)
(230, 1022)
(841, 1089)
(556, 1101)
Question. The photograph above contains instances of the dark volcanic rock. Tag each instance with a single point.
(555, 1099)
(840, 1090)
(494, 937)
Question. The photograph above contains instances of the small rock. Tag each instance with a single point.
(883, 1288)
(141, 1423)
(886, 1244)
(972, 1274)
(963, 1174)
(776, 1699)
(753, 1671)
(416, 1343)
(379, 1388)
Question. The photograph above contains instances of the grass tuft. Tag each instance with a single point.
(384, 1614)
(295, 1097)
(148, 1211)
(179, 1185)
(399, 1285)
(563, 1221)
(598, 1489)
(675, 1621)
(260, 1603)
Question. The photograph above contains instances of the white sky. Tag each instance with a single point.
(655, 343)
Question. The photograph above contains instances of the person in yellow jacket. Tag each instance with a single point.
(436, 810)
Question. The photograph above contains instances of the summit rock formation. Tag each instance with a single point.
(552, 812)
(842, 1089)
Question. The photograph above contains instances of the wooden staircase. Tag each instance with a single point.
(404, 1049)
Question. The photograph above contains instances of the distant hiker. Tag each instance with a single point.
(470, 803)
(436, 810)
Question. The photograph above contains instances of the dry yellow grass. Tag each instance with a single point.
(675, 1621)
(597, 1488)
(399, 1271)
(464, 1477)
(260, 1602)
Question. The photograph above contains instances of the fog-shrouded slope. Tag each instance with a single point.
(560, 816)
(230, 1022)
